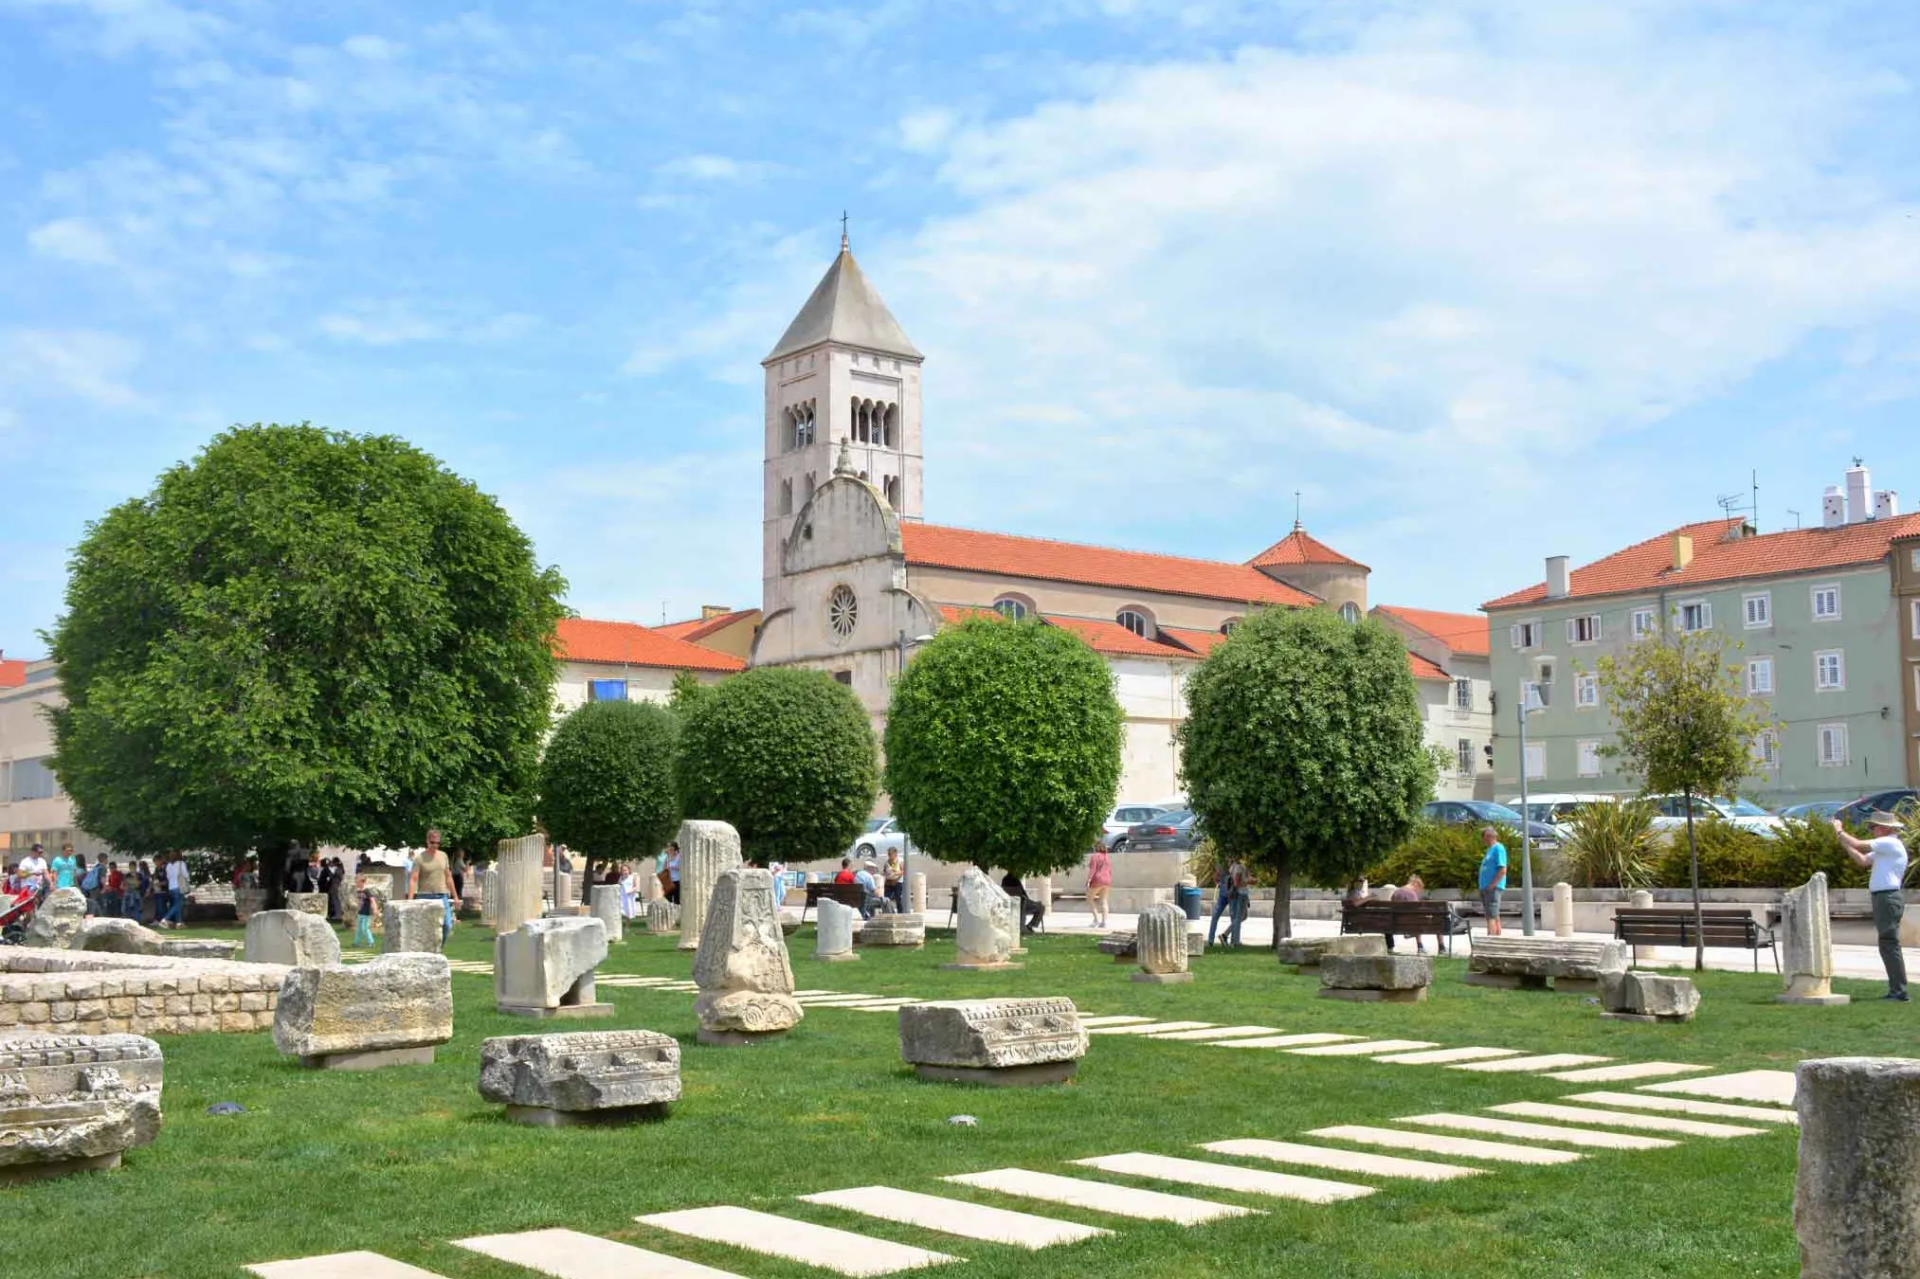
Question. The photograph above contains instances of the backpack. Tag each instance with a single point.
(91, 881)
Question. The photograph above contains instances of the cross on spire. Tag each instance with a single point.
(843, 231)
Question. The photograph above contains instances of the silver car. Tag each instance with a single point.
(1114, 831)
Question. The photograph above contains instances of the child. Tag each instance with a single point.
(363, 924)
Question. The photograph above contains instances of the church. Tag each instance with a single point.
(854, 577)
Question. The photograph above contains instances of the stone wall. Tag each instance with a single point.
(97, 993)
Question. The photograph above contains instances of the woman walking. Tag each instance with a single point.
(1099, 884)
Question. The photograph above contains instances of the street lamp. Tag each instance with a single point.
(1533, 697)
(906, 842)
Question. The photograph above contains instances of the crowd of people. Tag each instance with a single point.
(149, 892)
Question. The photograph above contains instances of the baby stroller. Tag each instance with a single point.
(16, 911)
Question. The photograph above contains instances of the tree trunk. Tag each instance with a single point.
(1283, 902)
(272, 869)
(1699, 918)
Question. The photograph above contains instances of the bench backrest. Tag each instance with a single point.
(1399, 917)
(845, 894)
(1720, 926)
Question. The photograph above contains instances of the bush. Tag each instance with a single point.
(1611, 845)
(1205, 864)
(787, 756)
(1444, 857)
(1803, 847)
(1729, 857)
(607, 785)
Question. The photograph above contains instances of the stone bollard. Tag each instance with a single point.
(1641, 900)
(1041, 890)
(833, 933)
(917, 892)
(1160, 945)
(519, 865)
(1856, 1202)
(606, 909)
(1563, 910)
(707, 849)
(489, 894)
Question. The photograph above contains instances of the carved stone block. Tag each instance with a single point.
(70, 1103)
(994, 1041)
(610, 1076)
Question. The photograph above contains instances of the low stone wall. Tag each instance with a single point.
(97, 993)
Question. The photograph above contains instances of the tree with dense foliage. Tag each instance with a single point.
(607, 784)
(304, 635)
(787, 756)
(1684, 726)
(1003, 746)
(1303, 749)
(687, 692)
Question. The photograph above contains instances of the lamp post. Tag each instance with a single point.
(906, 842)
(1533, 697)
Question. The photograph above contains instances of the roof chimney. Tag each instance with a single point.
(710, 611)
(1859, 493)
(1833, 508)
(1682, 551)
(1557, 584)
(1886, 504)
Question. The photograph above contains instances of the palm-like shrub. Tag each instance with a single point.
(1611, 845)
(1803, 847)
(1444, 857)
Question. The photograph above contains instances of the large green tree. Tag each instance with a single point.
(607, 784)
(1684, 726)
(1302, 748)
(1003, 746)
(787, 756)
(307, 635)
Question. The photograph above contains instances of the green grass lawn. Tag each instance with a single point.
(403, 1160)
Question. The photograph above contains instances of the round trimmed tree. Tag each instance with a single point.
(1302, 748)
(607, 785)
(304, 635)
(786, 756)
(1003, 746)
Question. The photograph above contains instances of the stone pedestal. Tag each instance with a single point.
(1394, 979)
(392, 1010)
(917, 892)
(833, 939)
(545, 967)
(1805, 938)
(290, 937)
(599, 1077)
(909, 931)
(414, 927)
(1542, 963)
(489, 893)
(70, 1103)
(561, 885)
(1160, 943)
(1635, 996)
(999, 1042)
(988, 928)
(707, 850)
(1563, 910)
(662, 916)
(308, 903)
(519, 865)
(742, 969)
(606, 909)
(1856, 1200)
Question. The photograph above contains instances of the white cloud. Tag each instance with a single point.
(72, 240)
(373, 48)
(396, 322)
(89, 364)
(714, 168)
(118, 27)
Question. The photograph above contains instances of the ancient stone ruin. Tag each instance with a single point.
(390, 1011)
(707, 850)
(907, 931)
(833, 934)
(1000, 1042)
(606, 909)
(596, 1077)
(1806, 945)
(1633, 996)
(414, 927)
(1856, 1200)
(71, 1103)
(987, 932)
(1393, 979)
(291, 937)
(1160, 943)
(1540, 963)
(518, 863)
(545, 968)
(742, 969)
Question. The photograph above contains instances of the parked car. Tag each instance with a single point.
(882, 835)
(1670, 812)
(1820, 810)
(1176, 830)
(1885, 801)
(1484, 812)
(1555, 810)
(1121, 819)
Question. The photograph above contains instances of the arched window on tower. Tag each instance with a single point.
(1137, 621)
(892, 428)
(786, 497)
(890, 488)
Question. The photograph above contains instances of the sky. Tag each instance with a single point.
(1481, 281)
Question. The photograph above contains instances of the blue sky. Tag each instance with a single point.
(1484, 281)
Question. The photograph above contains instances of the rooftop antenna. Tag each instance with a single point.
(843, 231)
(1296, 510)
(1796, 516)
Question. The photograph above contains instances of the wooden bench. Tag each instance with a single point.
(1727, 926)
(1404, 919)
(846, 894)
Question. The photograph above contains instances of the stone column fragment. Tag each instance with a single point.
(1856, 1201)
(1160, 945)
(742, 969)
(1806, 945)
(707, 849)
(519, 863)
(986, 934)
(834, 935)
(606, 909)
(917, 892)
(545, 967)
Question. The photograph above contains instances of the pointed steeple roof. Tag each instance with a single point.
(1299, 547)
(844, 308)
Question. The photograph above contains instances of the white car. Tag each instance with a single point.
(1744, 813)
(881, 836)
(1114, 830)
(1557, 809)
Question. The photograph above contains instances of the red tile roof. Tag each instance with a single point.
(695, 629)
(1300, 547)
(1648, 565)
(936, 546)
(13, 673)
(957, 613)
(1201, 642)
(1463, 633)
(1113, 638)
(1424, 668)
(630, 644)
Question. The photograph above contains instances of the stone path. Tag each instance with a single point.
(1774, 1087)
(1618, 1119)
(1215, 1032)
(569, 1254)
(1283, 1041)
(1439, 1144)
(957, 1217)
(342, 1265)
(802, 1241)
(1535, 1065)
(1337, 1160)
(1249, 1181)
(1100, 1196)
(1583, 1137)
(1151, 1028)
(1365, 1048)
(1687, 1106)
(1447, 1056)
(1624, 1072)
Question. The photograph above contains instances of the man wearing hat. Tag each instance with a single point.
(872, 903)
(1886, 856)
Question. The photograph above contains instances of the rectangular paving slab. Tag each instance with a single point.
(1521, 1065)
(1686, 1106)
(1624, 1071)
(1217, 1032)
(1365, 1048)
(1447, 1056)
(1773, 1087)
(1116, 1019)
(342, 1265)
(957, 1217)
(1433, 1143)
(1249, 1181)
(1100, 1196)
(1539, 1132)
(1150, 1028)
(1619, 1119)
(568, 1254)
(1284, 1041)
(802, 1241)
(1338, 1160)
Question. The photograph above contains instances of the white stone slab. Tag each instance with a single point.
(1620, 1119)
(568, 1254)
(1543, 1061)
(881, 1006)
(802, 1241)
(1101, 1196)
(1151, 1028)
(1217, 1032)
(1773, 1087)
(957, 1217)
(1625, 1071)
(1584, 1137)
(1447, 1056)
(1115, 1020)
(1249, 1181)
(1337, 1160)
(798, 993)
(1433, 1143)
(1365, 1048)
(1284, 1041)
(817, 1000)
(341, 1265)
(1686, 1106)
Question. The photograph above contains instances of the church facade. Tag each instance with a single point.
(854, 578)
